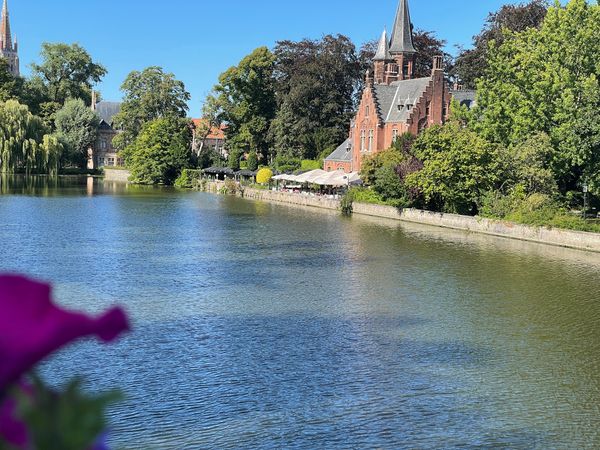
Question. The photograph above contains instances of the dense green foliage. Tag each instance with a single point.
(189, 178)
(252, 161)
(160, 152)
(77, 128)
(25, 143)
(472, 64)
(149, 95)
(533, 140)
(245, 101)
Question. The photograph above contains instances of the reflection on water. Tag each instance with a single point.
(265, 326)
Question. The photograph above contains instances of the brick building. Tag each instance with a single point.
(103, 152)
(8, 49)
(394, 101)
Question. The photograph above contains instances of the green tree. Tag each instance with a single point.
(11, 87)
(252, 161)
(67, 71)
(235, 155)
(314, 84)
(77, 128)
(458, 168)
(149, 95)
(20, 136)
(546, 81)
(246, 101)
(160, 152)
(371, 164)
(389, 185)
(472, 64)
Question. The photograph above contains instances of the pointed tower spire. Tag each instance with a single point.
(5, 36)
(383, 49)
(402, 39)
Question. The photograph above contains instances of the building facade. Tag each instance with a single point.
(213, 140)
(394, 101)
(9, 48)
(103, 153)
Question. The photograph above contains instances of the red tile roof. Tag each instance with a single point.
(215, 133)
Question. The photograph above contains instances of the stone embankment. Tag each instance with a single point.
(116, 174)
(562, 238)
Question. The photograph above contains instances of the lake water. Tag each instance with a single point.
(266, 326)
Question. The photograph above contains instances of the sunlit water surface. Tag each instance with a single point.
(265, 326)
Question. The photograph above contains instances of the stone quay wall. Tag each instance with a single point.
(116, 175)
(557, 237)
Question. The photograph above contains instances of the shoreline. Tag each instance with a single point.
(578, 240)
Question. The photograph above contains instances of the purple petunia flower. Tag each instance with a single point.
(32, 327)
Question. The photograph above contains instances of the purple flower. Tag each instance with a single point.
(32, 327)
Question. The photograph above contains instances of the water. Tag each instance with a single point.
(265, 326)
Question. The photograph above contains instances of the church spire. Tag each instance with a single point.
(5, 37)
(402, 39)
(383, 49)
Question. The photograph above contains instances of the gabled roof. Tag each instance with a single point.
(107, 111)
(399, 93)
(342, 153)
(215, 133)
(402, 39)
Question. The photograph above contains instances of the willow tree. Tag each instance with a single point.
(21, 134)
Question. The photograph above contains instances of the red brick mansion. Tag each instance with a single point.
(394, 101)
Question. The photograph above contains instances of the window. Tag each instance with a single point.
(101, 162)
(427, 109)
(111, 161)
(120, 162)
(370, 140)
(362, 140)
(394, 135)
(368, 111)
(102, 144)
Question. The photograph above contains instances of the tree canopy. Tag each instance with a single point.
(160, 152)
(67, 71)
(149, 95)
(77, 128)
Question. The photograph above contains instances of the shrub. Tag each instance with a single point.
(285, 163)
(189, 178)
(252, 161)
(264, 176)
(230, 187)
(310, 164)
(347, 203)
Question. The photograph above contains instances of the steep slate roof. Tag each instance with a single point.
(5, 36)
(465, 97)
(342, 153)
(383, 49)
(398, 93)
(402, 40)
(107, 110)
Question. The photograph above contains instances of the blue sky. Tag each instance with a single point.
(199, 39)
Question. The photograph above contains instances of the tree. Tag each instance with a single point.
(388, 184)
(246, 101)
(149, 95)
(160, 152)
(77, 128)
(371, 164)
(235, 155)
(252, 161)
(546, 81)
(314, 85)
(20, 136)
(11, 87)
(458, 168)
(472, 64)
(67, 71)
(528, 166)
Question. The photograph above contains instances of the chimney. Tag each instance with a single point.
(438, 63)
